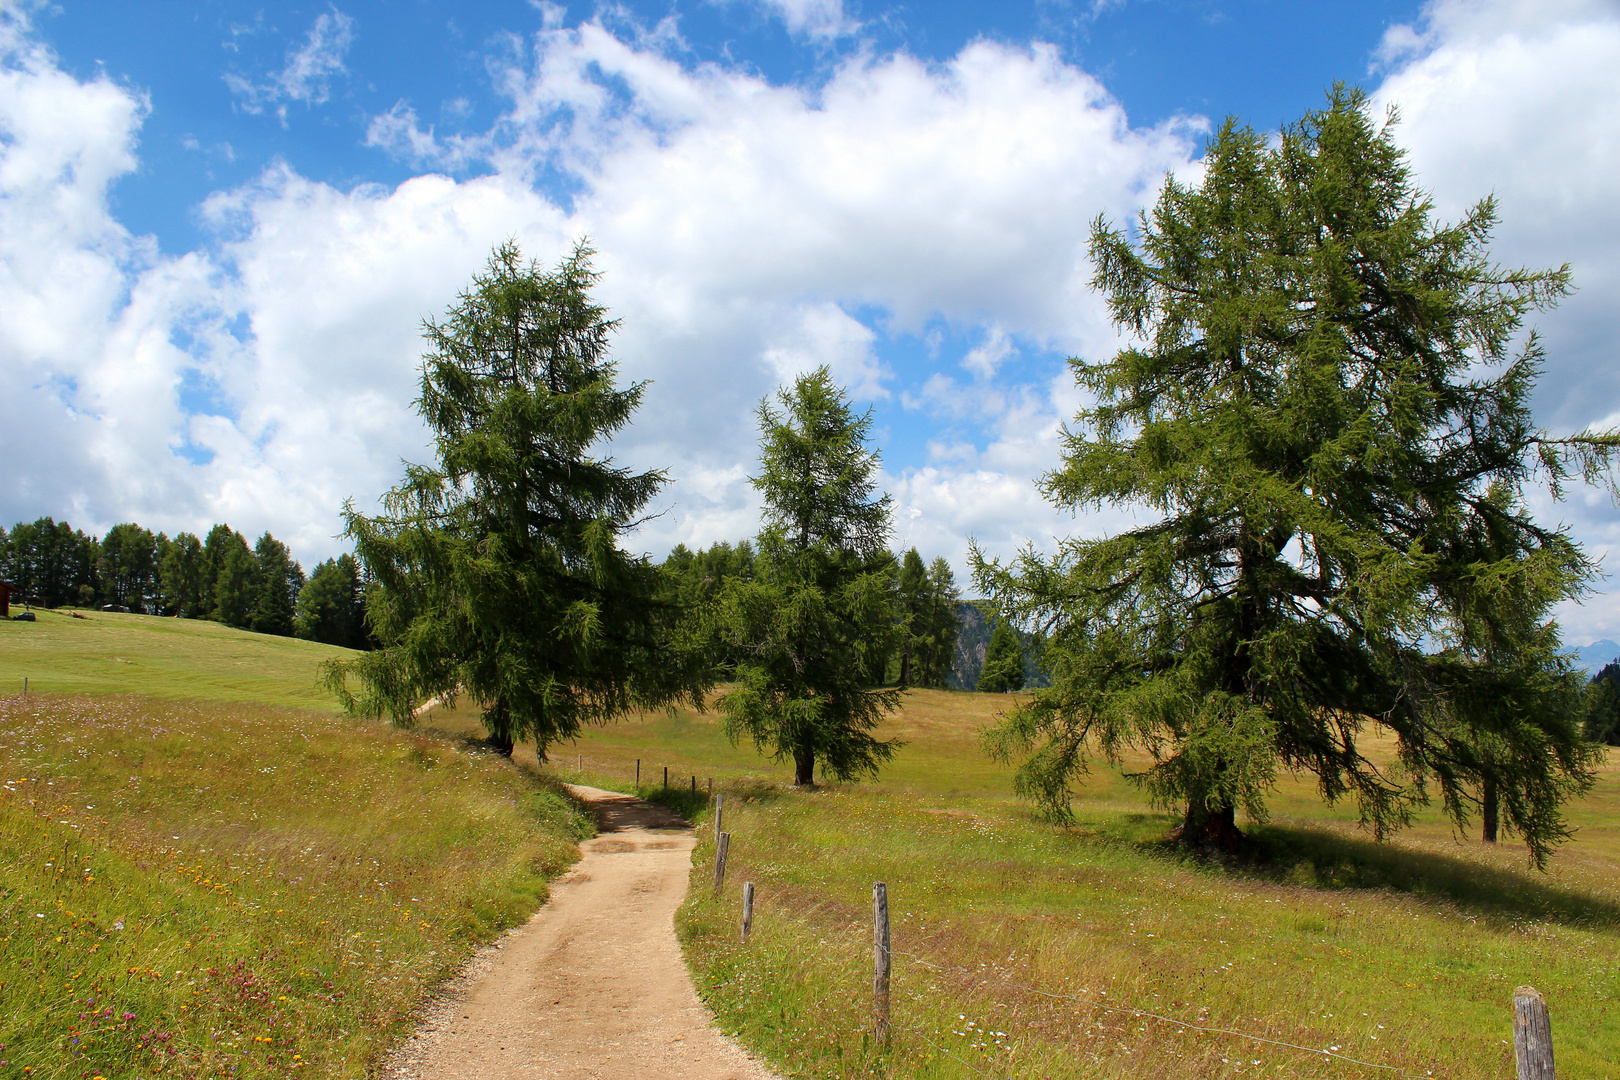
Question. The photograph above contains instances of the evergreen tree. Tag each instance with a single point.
(180, 577)
(819, 608)
(128, 567)
(1325, 424)
(936, 645)
(52, 563)
(499, 573)
(235, 588)
(1602, 706)
(220, 541)
(276, 578)
(331, 605)
(912, 601)
(1003, 662)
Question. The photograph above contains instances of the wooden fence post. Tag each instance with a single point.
(1532, 1035)
(711, 785)
(719, 812)
(638, 774)
(720, 861)
(748, 910)
(666, 777)
(880, 961)
(694, 785)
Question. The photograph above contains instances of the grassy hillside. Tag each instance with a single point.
(236, 890)
(1018, 943)
(97, 652)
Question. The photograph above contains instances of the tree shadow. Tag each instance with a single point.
(1324, 859)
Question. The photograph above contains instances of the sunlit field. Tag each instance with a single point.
(99, 652)
(240, 890)
(1025, 949)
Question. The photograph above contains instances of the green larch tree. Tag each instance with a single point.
(1324, 420)
(819, 608)
(1003, 662)
(499, 572)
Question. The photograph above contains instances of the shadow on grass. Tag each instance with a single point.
(1323, 859)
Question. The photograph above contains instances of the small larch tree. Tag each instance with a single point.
(500, 572)
(1003, 670)
(819, 606)
(1325, 424)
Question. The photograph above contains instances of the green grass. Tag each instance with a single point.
(239, 889)
(96, 652)
(1403, 954)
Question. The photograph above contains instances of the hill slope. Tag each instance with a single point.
(99, 652)
(208, 889)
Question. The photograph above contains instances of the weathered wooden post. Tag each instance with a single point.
(880, 961)
(638, 774)
(748, 910)
(1532, 1035)
(719, 812)
(666, 777)
(694, 785)
(720, 861)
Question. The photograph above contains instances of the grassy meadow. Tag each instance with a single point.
(202, 880)
(100, 652)
(1029, 950)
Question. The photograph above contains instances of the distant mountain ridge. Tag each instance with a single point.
(1594, 656)
(971, 643)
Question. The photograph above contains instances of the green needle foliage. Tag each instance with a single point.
(499, 573)
(820, 605)
(1327, 428)
(1003, 662)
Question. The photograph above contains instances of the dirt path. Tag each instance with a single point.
(593, 985)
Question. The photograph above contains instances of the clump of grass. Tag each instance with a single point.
(211, 890)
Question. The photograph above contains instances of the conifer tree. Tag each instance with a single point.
(499, 572)
(276, 579)
(1003, 662)
(1327, 427)
(331, 605)
(819, 606)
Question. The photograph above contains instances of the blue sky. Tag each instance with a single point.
(1262, 60)
(221, 224)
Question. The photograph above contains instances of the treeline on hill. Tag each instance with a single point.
(258, 587)
(926, 617)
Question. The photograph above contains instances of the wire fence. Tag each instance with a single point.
(1531, 1026)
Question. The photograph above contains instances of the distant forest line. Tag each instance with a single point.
(259, 586)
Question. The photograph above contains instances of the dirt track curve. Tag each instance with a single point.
(593, 985)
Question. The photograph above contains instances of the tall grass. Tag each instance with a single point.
(241, 891)
(1098, 950)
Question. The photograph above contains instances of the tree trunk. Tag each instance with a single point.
(804, 768)
(905, 665)
(503, 743)
(1210, 828)
(1490, 811)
